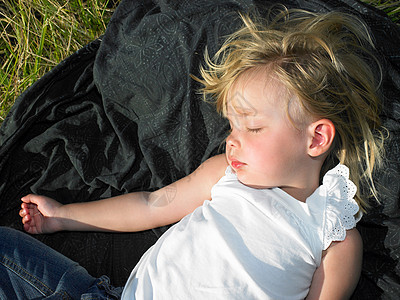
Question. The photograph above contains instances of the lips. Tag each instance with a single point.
(237, 164)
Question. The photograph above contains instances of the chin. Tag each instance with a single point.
(253, 185)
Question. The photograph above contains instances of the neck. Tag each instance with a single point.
(307, 184)
(300, 193)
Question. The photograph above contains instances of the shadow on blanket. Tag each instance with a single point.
(122, 114)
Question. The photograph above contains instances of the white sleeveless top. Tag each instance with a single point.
(247, 243)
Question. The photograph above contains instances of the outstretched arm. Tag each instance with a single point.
(130, 212)
(340, 269)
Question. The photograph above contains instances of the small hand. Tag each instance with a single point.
(39, 213)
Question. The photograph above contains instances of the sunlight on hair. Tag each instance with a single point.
(326, 61)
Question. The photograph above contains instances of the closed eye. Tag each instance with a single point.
(254, 130)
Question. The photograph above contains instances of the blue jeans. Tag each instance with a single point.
(31, 270)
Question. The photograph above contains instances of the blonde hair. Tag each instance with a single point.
(324, 60)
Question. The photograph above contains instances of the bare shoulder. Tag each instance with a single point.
(199, 183)
(340, 269)
(171, 203)
(352, 242)
(212, 169)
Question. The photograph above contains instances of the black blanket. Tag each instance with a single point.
(122, 114)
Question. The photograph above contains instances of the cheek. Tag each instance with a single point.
(262, 150)
(273, 150)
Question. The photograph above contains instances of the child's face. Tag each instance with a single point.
(264, 148)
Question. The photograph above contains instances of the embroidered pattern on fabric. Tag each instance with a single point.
(341, 207)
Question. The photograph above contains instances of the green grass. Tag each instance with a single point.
(391, 8)
(37, 34)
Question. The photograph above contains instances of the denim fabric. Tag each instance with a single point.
(31, 270)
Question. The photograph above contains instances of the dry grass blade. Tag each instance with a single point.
(38, 34)
(390, 7)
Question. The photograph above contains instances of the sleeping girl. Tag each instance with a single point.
(274, 217)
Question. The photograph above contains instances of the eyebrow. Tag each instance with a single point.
(241, 105)
(243, 111)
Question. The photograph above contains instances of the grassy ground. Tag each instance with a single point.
(392, 8)
(38, 34)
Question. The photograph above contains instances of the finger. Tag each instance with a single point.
(27, 198)
(31, 198)
(28, 208)
(26, 219)
(24, 211)
(28, 228)
(25, 205)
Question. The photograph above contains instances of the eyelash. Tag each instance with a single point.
(254, 130)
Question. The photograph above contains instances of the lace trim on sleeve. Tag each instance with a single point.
(341, 208)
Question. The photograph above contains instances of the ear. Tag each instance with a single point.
(322, 133)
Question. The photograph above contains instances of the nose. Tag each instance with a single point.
(232, 140)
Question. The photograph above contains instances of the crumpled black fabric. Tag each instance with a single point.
(122, 114)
